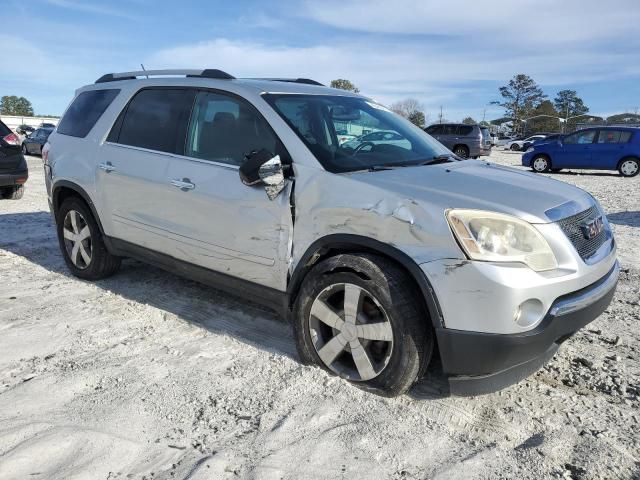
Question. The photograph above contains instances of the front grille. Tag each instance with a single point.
(571, 227)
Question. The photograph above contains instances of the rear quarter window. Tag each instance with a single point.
(465, 130)
(85, 111)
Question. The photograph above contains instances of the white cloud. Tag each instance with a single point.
(389, 71)
(531, 23)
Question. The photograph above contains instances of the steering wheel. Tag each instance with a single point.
(360, 147)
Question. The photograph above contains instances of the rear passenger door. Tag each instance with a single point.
(610, 147)
(216, 221)
(131, 175)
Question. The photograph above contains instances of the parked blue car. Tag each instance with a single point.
(602, 148)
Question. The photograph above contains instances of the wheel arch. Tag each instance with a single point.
(64, 189)
(336, 244)
(627, 157)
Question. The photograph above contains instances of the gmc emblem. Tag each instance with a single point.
(592, 228)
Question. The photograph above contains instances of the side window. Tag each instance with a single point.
(85, 111)
(613, 136)
(224, 129)
(155, 119)
(448, 130)
(465, 130)
(580, 138)
(434, 129)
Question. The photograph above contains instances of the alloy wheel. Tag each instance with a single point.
(540, 164)
(461, 152)
(77, 239)
(351, 332)
(629, 168)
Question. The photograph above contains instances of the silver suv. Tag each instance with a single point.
(466, 141)
(376, 250)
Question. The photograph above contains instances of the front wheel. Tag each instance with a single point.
(515, 147)
(15, 192)
(540, 164)
(629, 167)
(358, 317)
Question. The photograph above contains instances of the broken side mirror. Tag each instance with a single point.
(263, 167)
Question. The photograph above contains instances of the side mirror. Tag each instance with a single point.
(263, 167)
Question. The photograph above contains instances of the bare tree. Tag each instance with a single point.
(412, 110)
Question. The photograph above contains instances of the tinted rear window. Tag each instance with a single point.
(85, 111)
(156, 119)
(4, 130)
(485, 132)
(465, 129)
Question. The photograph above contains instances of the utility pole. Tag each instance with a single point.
(440, 116)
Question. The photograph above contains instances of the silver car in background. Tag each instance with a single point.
(376, 251)
(466, 141)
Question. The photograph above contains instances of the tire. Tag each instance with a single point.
(629, 167)
(15, 192)
(100, 263)
(389, 298)
(540, 164)
(461, 150)
(514, 147)
(24, 150)
(556, 170)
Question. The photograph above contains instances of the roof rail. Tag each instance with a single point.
(306, 81)
(206, 73)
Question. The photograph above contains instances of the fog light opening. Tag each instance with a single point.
(529, 313)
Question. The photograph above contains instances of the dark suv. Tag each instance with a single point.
(13, 167)
(466, 141)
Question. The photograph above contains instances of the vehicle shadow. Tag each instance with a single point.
(630, 219)
(590, 173)
(32, 236)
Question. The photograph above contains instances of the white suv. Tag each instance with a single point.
(376, 251)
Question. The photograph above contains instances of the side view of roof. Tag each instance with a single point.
(206, 73)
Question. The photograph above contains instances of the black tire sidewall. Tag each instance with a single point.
(464, 151)
(413, 341)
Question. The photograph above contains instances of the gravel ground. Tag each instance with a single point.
(147, 375)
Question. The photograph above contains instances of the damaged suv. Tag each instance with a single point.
(378, 252)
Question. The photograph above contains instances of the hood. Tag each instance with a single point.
(482, 186)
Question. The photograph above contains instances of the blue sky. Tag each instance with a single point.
(454, 53)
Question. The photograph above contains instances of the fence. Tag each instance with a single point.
(14, 122)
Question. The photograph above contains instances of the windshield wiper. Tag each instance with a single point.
(444, 158)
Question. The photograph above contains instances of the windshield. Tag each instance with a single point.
(351, 133)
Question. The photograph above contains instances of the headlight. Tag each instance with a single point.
(495, 237)
(529, 150)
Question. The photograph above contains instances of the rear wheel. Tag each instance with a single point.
(629, 167)
(540, 164)
(462, 151)
(24, 149)
(515, 147)
(358, 317)
(81, 242)
(12, 193)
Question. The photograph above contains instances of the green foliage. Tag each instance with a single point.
(622, 118)
(19, 106)
(569, 104)
(417, 118)
(520, 96)
(469, 121)
(344, 84)
(547, 123)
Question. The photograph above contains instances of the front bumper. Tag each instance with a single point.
(479, 363)
(526, 159)
(13, 178)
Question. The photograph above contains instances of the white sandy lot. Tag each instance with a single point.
(148, 375)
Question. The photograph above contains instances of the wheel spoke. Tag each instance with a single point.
(68, 234)
(74, 253)
(74, 221)
(84, 233)
(85, 256)
(322, 312)
(376, 331)
(352, 295)
(362, 361)
(330, 351)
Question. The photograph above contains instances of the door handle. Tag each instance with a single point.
(184, 184)
(107, 167)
